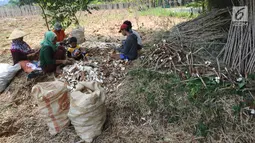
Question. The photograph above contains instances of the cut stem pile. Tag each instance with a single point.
(164, 57)
(184, 43)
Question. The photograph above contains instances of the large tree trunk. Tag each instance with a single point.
(221, 3)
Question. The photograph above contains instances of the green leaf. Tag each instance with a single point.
(251, 76)
(242, 84)
(59, 10)
(201, 129)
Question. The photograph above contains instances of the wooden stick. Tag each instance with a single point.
(200, 78)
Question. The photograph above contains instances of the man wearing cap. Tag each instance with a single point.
(58, 30)
(20, 49)
(139, 39)
(129, 48)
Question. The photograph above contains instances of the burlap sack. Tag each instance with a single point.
(78, 33)
(54, 101)
(87, 110)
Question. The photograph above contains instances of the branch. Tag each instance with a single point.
(45, 16)
(88, 11)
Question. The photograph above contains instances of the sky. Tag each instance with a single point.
(3, 2)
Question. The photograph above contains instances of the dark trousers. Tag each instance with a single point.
(139, 47)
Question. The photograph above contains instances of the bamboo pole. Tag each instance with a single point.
(239, 50)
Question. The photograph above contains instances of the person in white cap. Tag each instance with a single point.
(20, 49)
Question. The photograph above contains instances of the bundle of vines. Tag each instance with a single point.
(209, 27)
(239, 52)
(186, 41)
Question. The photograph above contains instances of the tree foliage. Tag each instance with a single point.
(212, 4)
(13, 2)
(63, 11)
(221, 3)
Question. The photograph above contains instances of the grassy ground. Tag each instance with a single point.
(205, 114)
(166, 12)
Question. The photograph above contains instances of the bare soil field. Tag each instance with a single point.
(19, 120)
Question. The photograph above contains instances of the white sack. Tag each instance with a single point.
(54, 101)
(87, 110)
(78, 33)
(7, 72)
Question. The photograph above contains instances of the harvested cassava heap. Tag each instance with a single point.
(81, 71)
(101, 69)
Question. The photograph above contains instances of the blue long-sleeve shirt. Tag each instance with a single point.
(130, 46)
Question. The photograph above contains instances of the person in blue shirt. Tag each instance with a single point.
(128, 51)
(139, 39)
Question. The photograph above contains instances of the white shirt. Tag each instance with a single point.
(139, 39)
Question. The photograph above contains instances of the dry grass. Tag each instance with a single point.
(31, 24)
(19, 116)
(128, 125)
(100, 26)
(163, 105)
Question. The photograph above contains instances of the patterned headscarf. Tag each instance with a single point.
(20, 45)
(48, 40)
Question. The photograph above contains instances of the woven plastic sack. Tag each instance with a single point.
(87, 110)
(7, 73)
(78, 33)
(54, 101)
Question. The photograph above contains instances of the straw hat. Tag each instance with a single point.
(16, 33)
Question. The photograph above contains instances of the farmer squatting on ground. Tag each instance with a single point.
(20, 50)
(59, 31)
(51, 55)
(128, 50)
(75, 51)
(139, 39)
